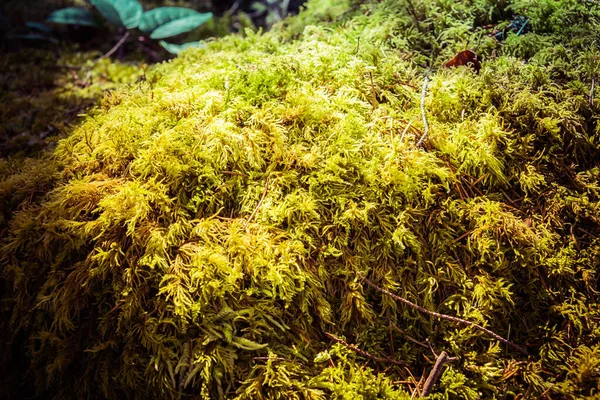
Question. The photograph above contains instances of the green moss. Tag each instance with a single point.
(202, 229)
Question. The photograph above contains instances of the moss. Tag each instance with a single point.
(201, 230)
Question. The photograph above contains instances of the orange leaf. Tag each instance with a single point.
(465, 57)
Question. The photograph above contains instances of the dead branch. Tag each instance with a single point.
(426, 129)
(373, 93)
(364, 353)
(264, 193)
(457, 320)
(116, 47)
(435, 373)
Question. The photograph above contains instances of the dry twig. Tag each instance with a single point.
(264, 193)
(435, 373)
(426, 128)
(443, 316)
(374, 102)
(364, 353)
(116, 47)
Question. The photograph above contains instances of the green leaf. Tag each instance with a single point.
(38, 26)
(125, 13)
(178, 48)
(164, 22)
(34, 36)
(72, 16)
(246, 344)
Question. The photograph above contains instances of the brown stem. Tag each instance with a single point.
(413, 13)
(426, 128)
(373, 93)
(264, 193)
(444, 316)
(362, 352)
(435, 373)
(105, 55)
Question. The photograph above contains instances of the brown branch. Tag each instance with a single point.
(269, 359)
(444, 316)
(482, 177)
(464, 235)
(116, 47)
(364, 353)
(435, 373)
(264, 193)
(413, 13)
(373, 93)
(426, 129)
(592, 92)
(412, 339)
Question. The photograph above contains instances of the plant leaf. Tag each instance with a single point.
(180, 26)
(164, 22)
(72, 16)
(125, 13)
(34, 36)
(178, 48)
(38, 26)
(246, 344)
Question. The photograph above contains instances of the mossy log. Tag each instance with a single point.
(202, 234)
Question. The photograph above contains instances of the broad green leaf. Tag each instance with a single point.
(178, 48)
(34, 36)
(72, 16)
(38, 26)
(180, 26)
(164, 22)
(125, 13)
(246, 344)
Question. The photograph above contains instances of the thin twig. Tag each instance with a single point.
(435, 373)
(482, 177)
(413, 13)
(414, 382)
(105, 55)
(426, 129)
(464, 235)
(592, 92)
(406, 130)
(264, 193)
(269, 359)
(443, 316)
(373, 92)
(234, 173)
(412, 339)
(115, 47)
(233, 8)
(417, 391)
(364, 353)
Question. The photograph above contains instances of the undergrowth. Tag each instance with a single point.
(204, 228)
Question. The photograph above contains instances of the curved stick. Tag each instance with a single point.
(444, 316)
(426, 129)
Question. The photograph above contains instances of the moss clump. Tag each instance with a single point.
(200, 233)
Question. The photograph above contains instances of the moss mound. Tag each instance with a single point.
(204, 232)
